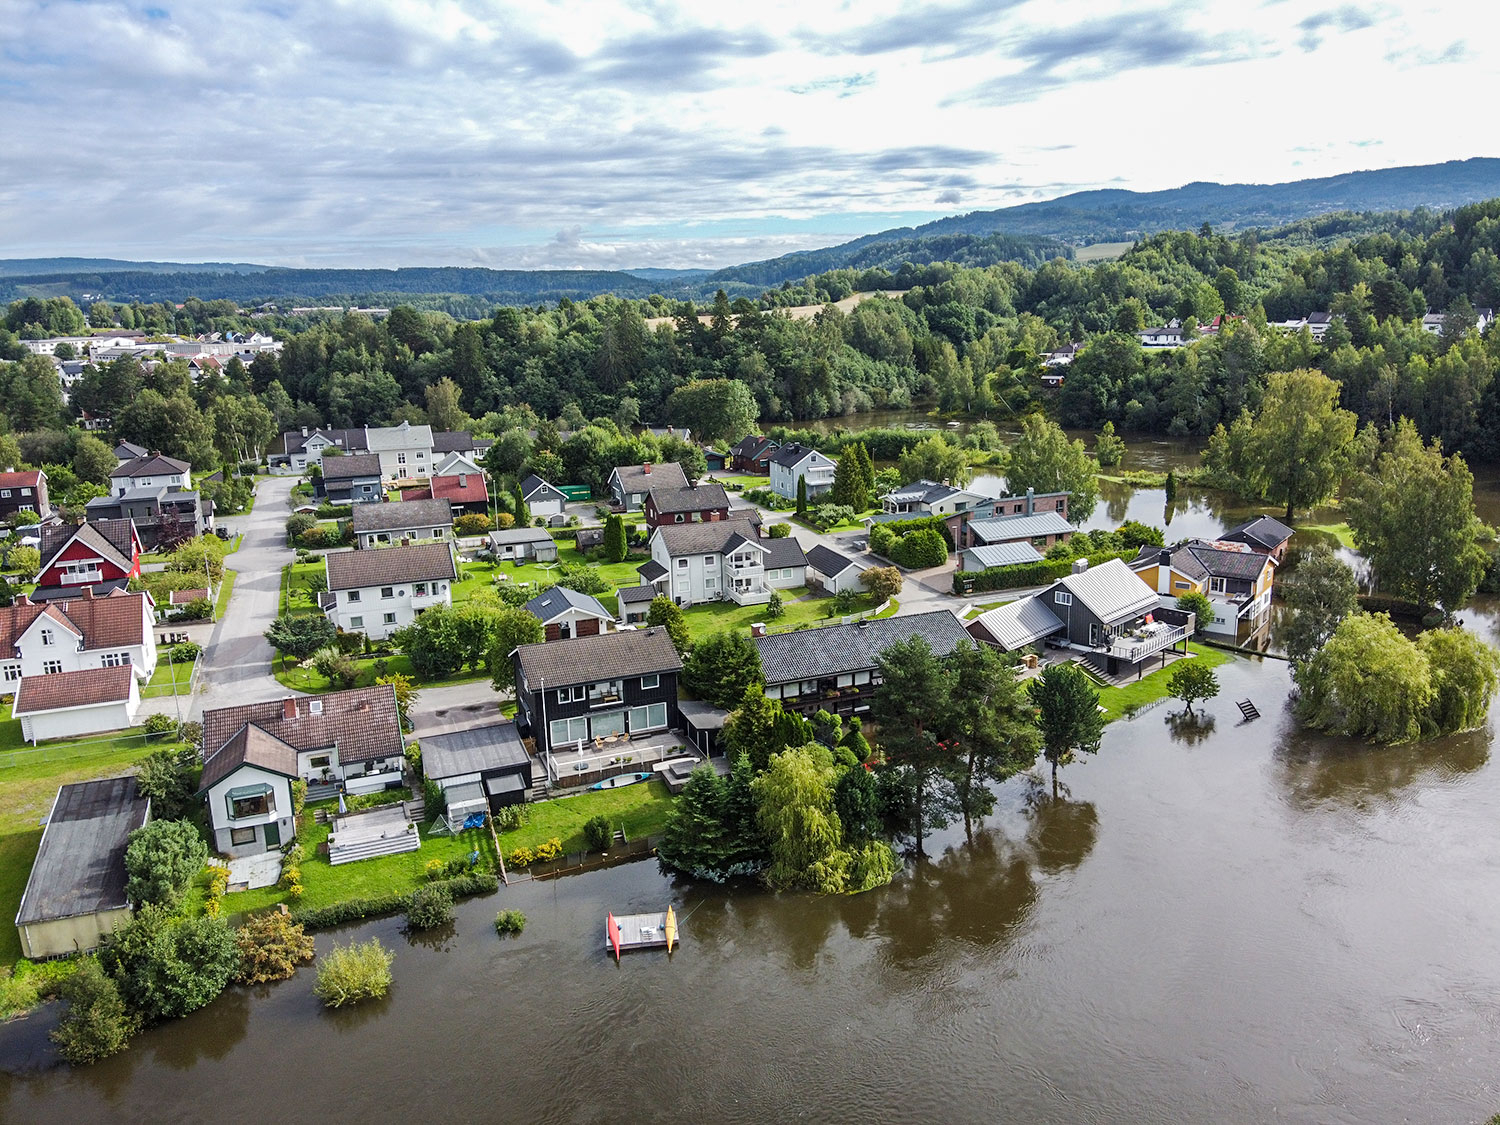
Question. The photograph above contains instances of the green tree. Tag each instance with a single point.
(1109, 449)
(1200, 607)
(911, 707)
(992, 724)
(1069, 714)
(882, 583)
(1045, 460)
(1464, 675)
(849, 489)
(348, 974)
(856, 798)
(168, 777)
(93, 461)
(937, 459)
(25, 561)
(1367, 681)
(95, 1024)
(667, 614)
(760, 727)
(1319, 594)
(161, 860)
(300, 637)
(445, 408)
(714, 408)
(510, 628)
(694, 838)
(1192, 680)
(802, 495)
(721, 668)
(794, 806)
(1413, 517)
(271, 947)
(615, 547)
(166, 966)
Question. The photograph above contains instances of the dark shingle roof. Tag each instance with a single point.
(632, 595)
(651, 570)
(80, 866)
(557, 601)
(634, 478)
(783, 553)
(87, 687)
(351, 466)
(689, 498)
(472, 751)
(789, 455)
(250, 746)
(609, 656)
(531, 484)
(362, 722)
(713, 537)
(451, 441)
(752, 446)
(1244, 566)
(807, 654)
(828, 562)
(1263, 531)
(383, 566)
(403, 515)
(153, 464)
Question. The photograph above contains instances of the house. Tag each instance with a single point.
(795, 462)
(299, 452)
(77, 633)
(1316, 323)
(404, 450)
(479, 770)
(103, 555)
(451, 464)
(714, 460)
(453, 443)
(833, 573)
(836, 667)
(752, 454)
(566, 613)
(994, 507)
(701, 502)
(1169, 335)
(1237, 580)
(24, 491)
(997, 555)
(1040, 530)
(1436, 322)
(465, 491)
(252, 753)
(523, 543)
(381, 525)
(629, 484)
(378, 592)
(705, 562)
(542, 499)
(1016, 625)
(68, 704)
(605, 686)
(929, 498)
(76, 892)
(128, 451)
(353, 478)
(163, 517)
(1111, 613)
(151, 471)
(634, 603)
(1264, 534)
(1062, 357)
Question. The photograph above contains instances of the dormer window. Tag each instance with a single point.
(46, 638)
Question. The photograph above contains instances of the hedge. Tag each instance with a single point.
(359, 909)
(1026, 574)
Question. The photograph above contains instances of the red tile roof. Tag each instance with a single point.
(415, 494)
(111, 622)
(86, 688)
(28, 478)
(472, 491)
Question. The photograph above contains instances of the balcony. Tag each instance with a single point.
(1146, 640)
(757, 594)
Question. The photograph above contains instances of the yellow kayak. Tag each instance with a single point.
(671, 928)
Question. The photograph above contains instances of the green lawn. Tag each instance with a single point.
(856, 524)
(296, 596)
(324, 884)
(476, 576)
(226, 587)
(641, 809)
(160, 683)
(304, 677)
(714, 617)
(1340, 531)
(744, 480)
(1152, 687)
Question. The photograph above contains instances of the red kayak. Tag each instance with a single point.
(613, 931)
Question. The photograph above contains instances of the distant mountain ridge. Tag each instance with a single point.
(1028, 233)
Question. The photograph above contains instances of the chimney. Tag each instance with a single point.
(304, 431)
(289, 707)
(463, 480)
(1080, 565)
(1164, 558)
(364, 705)
(88, 593)
(1030, 501)
(22, 599)
(757, 628)
(646, 468)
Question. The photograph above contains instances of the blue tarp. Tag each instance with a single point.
(474, 820)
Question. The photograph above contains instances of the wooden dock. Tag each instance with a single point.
(639, 931)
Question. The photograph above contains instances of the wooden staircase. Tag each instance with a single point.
(1248, 710)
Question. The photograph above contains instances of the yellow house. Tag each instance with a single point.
(1237, 581)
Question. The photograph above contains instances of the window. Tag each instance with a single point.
(356, 622)
(46, 638)
(51, 666)
(321, 762)
(390, 618)
(25, 492)
(354, 595)
(1218, 586)
(400, 458)
(1063, 598)
(677, 518)
(572, 694)
(387, 592)
(315, 707)
(116, 660)
(682, 564)
(708, 560)
(437, 533)
(651, 717)
(251, 804)
(420, 589)
(12, 672)
(239, 836)
(649, 682)
(5, 492)
(1060, 504)
(568, 730)
(710, 583)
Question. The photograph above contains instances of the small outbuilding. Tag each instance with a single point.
(479, 770)
(702, 723)
(67, 704)
(832, 572)
(76, 893)
(523, 544)
(567, 613)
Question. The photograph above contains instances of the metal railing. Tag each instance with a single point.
(1138, 648)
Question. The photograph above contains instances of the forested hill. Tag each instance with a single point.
(27, 267)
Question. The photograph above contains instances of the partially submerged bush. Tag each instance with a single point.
(596, 832)
(271, 948)
(430, 907)
(509, 922)
(348, 974)
(96, 1023)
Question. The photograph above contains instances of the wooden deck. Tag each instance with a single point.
(639, 931)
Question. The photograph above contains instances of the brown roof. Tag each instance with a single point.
(187, 597)
(102, 622)
(361, 722)
(252, 746)
(384, 566)
(608, 656)
(109, 539)
(22, 478)
(85, 688)
(689, 498)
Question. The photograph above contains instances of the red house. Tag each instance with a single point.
(704, 502)
(102, 555)
(467, 493)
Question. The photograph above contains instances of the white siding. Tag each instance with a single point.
(280, 814)
(81, 720)
(368, 614)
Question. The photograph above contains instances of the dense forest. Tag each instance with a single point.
(968, 340)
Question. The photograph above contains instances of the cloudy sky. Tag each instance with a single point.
(613, 135)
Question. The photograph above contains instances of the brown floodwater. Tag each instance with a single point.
(1219, 922)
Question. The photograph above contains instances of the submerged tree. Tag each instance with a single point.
(1070, 718)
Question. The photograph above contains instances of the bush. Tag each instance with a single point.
(299, 523)
(882, 582)
(472, 523)
(351, 643)
(504, 521)
(167, 967)
(550, 850)
(597, 833)
(31, 982)
(430, 907)
(827, 516)
(351, 973)
(96, 1023)
(775, 607)
(350, 910)
(271, 948)
(512, 816)
(291, 876)
(161, 724)
(434, 869)
(509, 922)
(339, 668)
(920, 549)
(184, 653)
(377, 800)
(218, 886)
(1027, 574)
(161, 861)
(779, 530)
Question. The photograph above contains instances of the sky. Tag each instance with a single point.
(606, 135)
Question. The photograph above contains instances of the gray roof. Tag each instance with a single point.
(688, 498)
(1111, 591)
(632, 595)
(452, 441)
(783, 552)
(703, 716)
(711, 538)
(386, 566)
(557, 601)
(351, 466)
(1263, 531)
(472, 751)
(80, 866)
(752, 445)
(1242, 565)
(152, 464)
(1007, 528)
(608, 656)
(807, 654)
(1018, 624)
(393, 438)
(634, 478)
(1002, 554)
(651, 570)
(828, 562)
(793, 454)
(402, 515)
(520, 535)
(531, 484)
(921, 492)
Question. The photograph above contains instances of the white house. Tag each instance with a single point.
(405, 450)
(253, 753)
(152, 471)
(929, 498)
(77, 633)
(68, 704)
(794, 462)
(517, 544)
(452, 464)
(1169, 335)
(706, 562)
(381, 525)
(832, 572)
(378, 592)
(542, 499)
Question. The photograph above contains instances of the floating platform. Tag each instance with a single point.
(640, 931)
